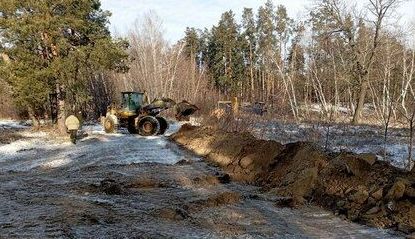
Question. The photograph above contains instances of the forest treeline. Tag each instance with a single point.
(339, 58)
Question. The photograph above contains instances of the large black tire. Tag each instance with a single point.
(109, 125)
(148, 126)
(163, 125)
(131, 127)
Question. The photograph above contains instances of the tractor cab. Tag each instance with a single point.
(132, 101)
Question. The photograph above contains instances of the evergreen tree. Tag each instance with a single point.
(192, 43)
(267, 48)
(283, 27)
(56, 47)
(225, 55)
(267, 40)
(249, 43)
(204, 41)
(296, 55)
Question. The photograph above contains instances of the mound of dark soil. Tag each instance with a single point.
(242, 156)
(110, 187)
(171, 213)
(215, 201)
(8, 136)
(184, 211)
(354, 185)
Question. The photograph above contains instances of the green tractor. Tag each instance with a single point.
(141, 117)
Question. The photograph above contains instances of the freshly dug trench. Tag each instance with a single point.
(354, 185)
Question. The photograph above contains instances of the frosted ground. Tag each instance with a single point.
(119, 185)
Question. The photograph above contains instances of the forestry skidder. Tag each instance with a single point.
(140, 117)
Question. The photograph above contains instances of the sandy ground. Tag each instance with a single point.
(125, 186)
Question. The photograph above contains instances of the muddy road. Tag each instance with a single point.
(125, 186)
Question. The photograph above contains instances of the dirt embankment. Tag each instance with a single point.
(357, 187)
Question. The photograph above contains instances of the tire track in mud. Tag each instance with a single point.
(123, 186)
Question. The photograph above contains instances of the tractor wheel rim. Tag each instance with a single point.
(108, 125)
(148, 127)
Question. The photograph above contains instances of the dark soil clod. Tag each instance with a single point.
(110, 187)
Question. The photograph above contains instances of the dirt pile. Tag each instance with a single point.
(183, 211)
(242, 156)
(110, 187)
(8, 136)
(354, 186)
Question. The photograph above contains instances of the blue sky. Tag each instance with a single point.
(178, 14)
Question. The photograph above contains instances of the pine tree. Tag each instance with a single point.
(283, 27)
(266, 30)
(249, 43)
(296, 54)
(225, 55)
(192, 43)
(267, 45)
(56, 47)
(204, 41)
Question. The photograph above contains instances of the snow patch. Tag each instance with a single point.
(12, 124)
(56, 163)
(37, 150)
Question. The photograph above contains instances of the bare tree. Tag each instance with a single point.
(159, 68)
(380, 10)
(407, 93)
